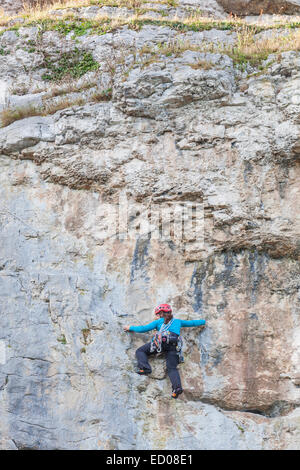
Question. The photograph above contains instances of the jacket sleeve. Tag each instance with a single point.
(143, 328)
(192, 322)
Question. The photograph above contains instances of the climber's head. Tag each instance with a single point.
(165, 311)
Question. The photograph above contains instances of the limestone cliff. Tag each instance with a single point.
(165, 107)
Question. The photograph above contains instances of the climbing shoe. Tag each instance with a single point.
(143, 372)
(176, 392)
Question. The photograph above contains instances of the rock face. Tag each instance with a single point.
(186, 131)
(255, 7)
(11, 6)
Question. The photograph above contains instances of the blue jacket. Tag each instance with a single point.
(174, 328)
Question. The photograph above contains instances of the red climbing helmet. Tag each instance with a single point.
(163, 308)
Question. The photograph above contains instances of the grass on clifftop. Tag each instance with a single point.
(46, 16)
(105, 24)
(45, 9)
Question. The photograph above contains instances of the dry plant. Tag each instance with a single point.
(176, 47)
(98, 96)
(70, 86)
(202, 64)
(55, 106)
(36, 7)
(4, 18)
(132, 4)
(249, 48)
(114, 23)
(40, 9)
(61, 88)
(172, 47)
(10, 115)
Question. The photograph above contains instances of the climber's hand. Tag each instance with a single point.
(126, 328)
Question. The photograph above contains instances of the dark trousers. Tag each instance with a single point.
(143, 352)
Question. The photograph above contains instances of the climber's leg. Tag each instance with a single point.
(172, 362)
(142, 354)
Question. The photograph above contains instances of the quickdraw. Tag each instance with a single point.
(156, 342)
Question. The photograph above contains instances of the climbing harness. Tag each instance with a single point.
(163, 336)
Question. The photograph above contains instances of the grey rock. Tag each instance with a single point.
(8, 37)
(35, 100)
(29, 33)
(25, 133)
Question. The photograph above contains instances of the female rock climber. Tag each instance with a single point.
(166, 340)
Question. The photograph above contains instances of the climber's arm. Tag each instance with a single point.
(144, 328)
(192, 323)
